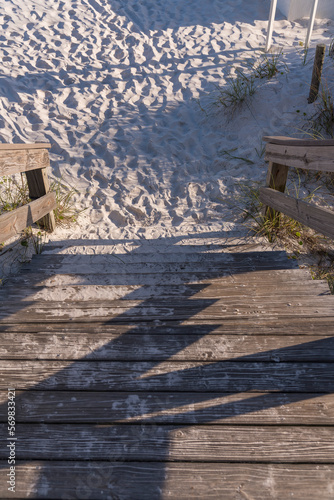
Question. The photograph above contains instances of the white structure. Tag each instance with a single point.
(296, 9)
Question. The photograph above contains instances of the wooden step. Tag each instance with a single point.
(179, 376)
(171, 408)
(231, 275)
(103, 265)
(175, 481)
(157, 347)
(290, 325)
(137, 292)
(150, 310)
(169, 443)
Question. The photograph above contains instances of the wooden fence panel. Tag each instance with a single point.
(305, 157)
(13, 222)
(319, 219)
(16, 161)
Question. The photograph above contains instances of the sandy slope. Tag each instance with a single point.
(124, 91)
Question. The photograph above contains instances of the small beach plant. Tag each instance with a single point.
(237, 91)
(240, 88)
(269, 65)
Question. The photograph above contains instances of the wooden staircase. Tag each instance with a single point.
(194, 371)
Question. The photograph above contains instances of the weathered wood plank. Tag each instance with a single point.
(234, 275)
(168, 407)
(234, 326)
(21, 146)
(38, 184)
(174, 481)
(306, 157)
(124, 311)
(128, 270)
(319, 219)
(214, 443)
(14, 161)
(277, 176)
(197, 291)
(109, 263)
(149, 347)
(12, 223)
(292, 141)
(179, 376)
(173, 258)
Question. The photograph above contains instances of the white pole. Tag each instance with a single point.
(271, 23)
(310, 27)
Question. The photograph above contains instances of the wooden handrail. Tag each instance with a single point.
(33, 160)
(285, 152)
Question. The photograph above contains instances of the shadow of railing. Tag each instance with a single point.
(120, 407)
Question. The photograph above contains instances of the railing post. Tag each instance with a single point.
(38, 184)
(276, 179)
(317, 70)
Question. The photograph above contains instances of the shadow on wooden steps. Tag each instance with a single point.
(180, 375)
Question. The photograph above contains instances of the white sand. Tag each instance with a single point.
(124, 91)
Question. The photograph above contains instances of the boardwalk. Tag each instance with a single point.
(199, 371)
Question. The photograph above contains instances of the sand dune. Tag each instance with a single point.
(125, 92)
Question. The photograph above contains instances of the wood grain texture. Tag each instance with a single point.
(167, 263)
(306, 157)
(179, 376)
(171, 408)
(290, 325)
(20, 146)
(38, 184)
(13, 222)
(157, 310)
(317, 71)
(200, 443)
(303, 288)
(292, 141)
(235, 275)
(173, 481)
(134, 346)
(319, 219)
(22, 160)
(141, 385)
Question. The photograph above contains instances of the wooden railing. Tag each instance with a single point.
(285, 152)
(33, 160)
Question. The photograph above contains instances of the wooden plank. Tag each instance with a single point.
(22, 160)
(213, 443)
(306, 157)
(319, 219)
(154, 261)
(34, 278)
(170, 408)
(82, 268)
(13, 222)
(293, 141)
(124, 311)
(136, 292)
(277, 176)
(174, 481)
(236, 326)
(180, 259)
(149, 347)
(20, 146)
(179, 376)
(38, 184)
